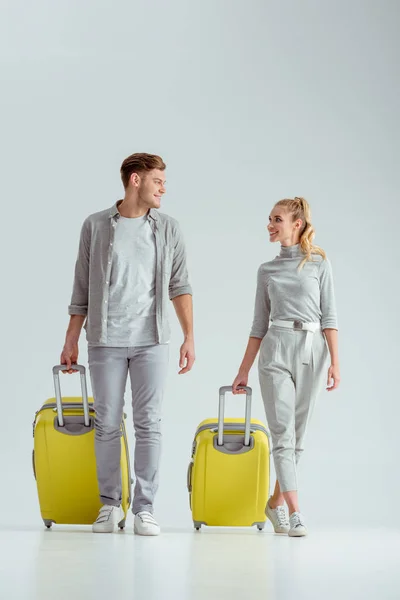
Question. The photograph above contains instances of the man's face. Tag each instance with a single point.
(151, 188)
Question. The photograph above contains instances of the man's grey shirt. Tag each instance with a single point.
(91, 286)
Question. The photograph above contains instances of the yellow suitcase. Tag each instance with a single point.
(64, 460)
(229, 473)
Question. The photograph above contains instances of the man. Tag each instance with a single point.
(131, 261)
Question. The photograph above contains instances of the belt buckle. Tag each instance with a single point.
(297, 325)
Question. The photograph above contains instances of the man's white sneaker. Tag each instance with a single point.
(278, 518)
(109, 517)
(297, 525)
(145, 524)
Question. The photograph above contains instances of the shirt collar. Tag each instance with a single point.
(114, 212)
(291, 251)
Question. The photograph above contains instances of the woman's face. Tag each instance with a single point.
(281, 228)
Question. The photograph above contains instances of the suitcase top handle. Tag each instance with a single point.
(58, 368)
(57, 389)
(221, 412)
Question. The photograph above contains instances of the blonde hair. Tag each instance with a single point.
(300, 209)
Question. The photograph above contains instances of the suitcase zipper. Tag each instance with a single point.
(232, 427)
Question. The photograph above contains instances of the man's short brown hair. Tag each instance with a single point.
(140, 163)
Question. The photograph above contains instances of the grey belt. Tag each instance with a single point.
(310, 328)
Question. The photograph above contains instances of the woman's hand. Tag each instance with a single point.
(241, 379)
(333, 378)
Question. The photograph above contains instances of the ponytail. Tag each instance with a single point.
(300, 209)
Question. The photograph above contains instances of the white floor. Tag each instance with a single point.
(74, 564)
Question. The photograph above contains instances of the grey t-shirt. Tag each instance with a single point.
(287, 294)
(131, 319)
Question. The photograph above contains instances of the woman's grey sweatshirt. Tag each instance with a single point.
(287, 294)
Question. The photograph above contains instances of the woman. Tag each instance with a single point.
(295, 328)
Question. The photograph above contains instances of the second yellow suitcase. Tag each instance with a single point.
(228, 476)
(64, 459)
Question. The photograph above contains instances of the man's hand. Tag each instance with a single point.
(69, 356)
(187, 356)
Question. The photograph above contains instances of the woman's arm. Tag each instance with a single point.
(329, 322)
(259, 328)
(242, 377)
(334, 370)
(332, 339)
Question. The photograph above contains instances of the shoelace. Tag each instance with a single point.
(147, 517)
(104, 514)
(296, 521)
(281, 516)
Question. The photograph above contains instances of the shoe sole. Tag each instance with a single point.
(103, 530)
(295, 533)
(136, 532)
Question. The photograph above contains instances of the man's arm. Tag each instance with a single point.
(69, 354)
(79, 301)
(180, 292)
(184, 310)
(80, 290)
(179, 280)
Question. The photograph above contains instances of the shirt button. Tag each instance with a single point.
(107, 282)
(109, 262)
(105, 320)
(105, 301)
(110, 243)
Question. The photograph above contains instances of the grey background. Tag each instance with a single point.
(247, 102)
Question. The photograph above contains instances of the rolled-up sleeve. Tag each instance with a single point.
(262, 307)
(327, 296)
(179, 280)
(80, 290)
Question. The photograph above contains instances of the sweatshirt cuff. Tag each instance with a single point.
(257, 333)
(329, 324)
(180, 291)
(73, 309)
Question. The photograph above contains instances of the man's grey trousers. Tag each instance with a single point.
(147, 367)
(289, 389)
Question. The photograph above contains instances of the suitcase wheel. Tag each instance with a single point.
(48, 523)
(260, 526)
(121, 524)
(197, 526)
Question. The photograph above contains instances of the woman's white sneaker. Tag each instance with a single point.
(278, 518)
(108, 519)
(145, 524)
(297, 525)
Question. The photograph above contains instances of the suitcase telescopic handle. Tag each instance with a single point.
(221, 413)
(57, 389)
